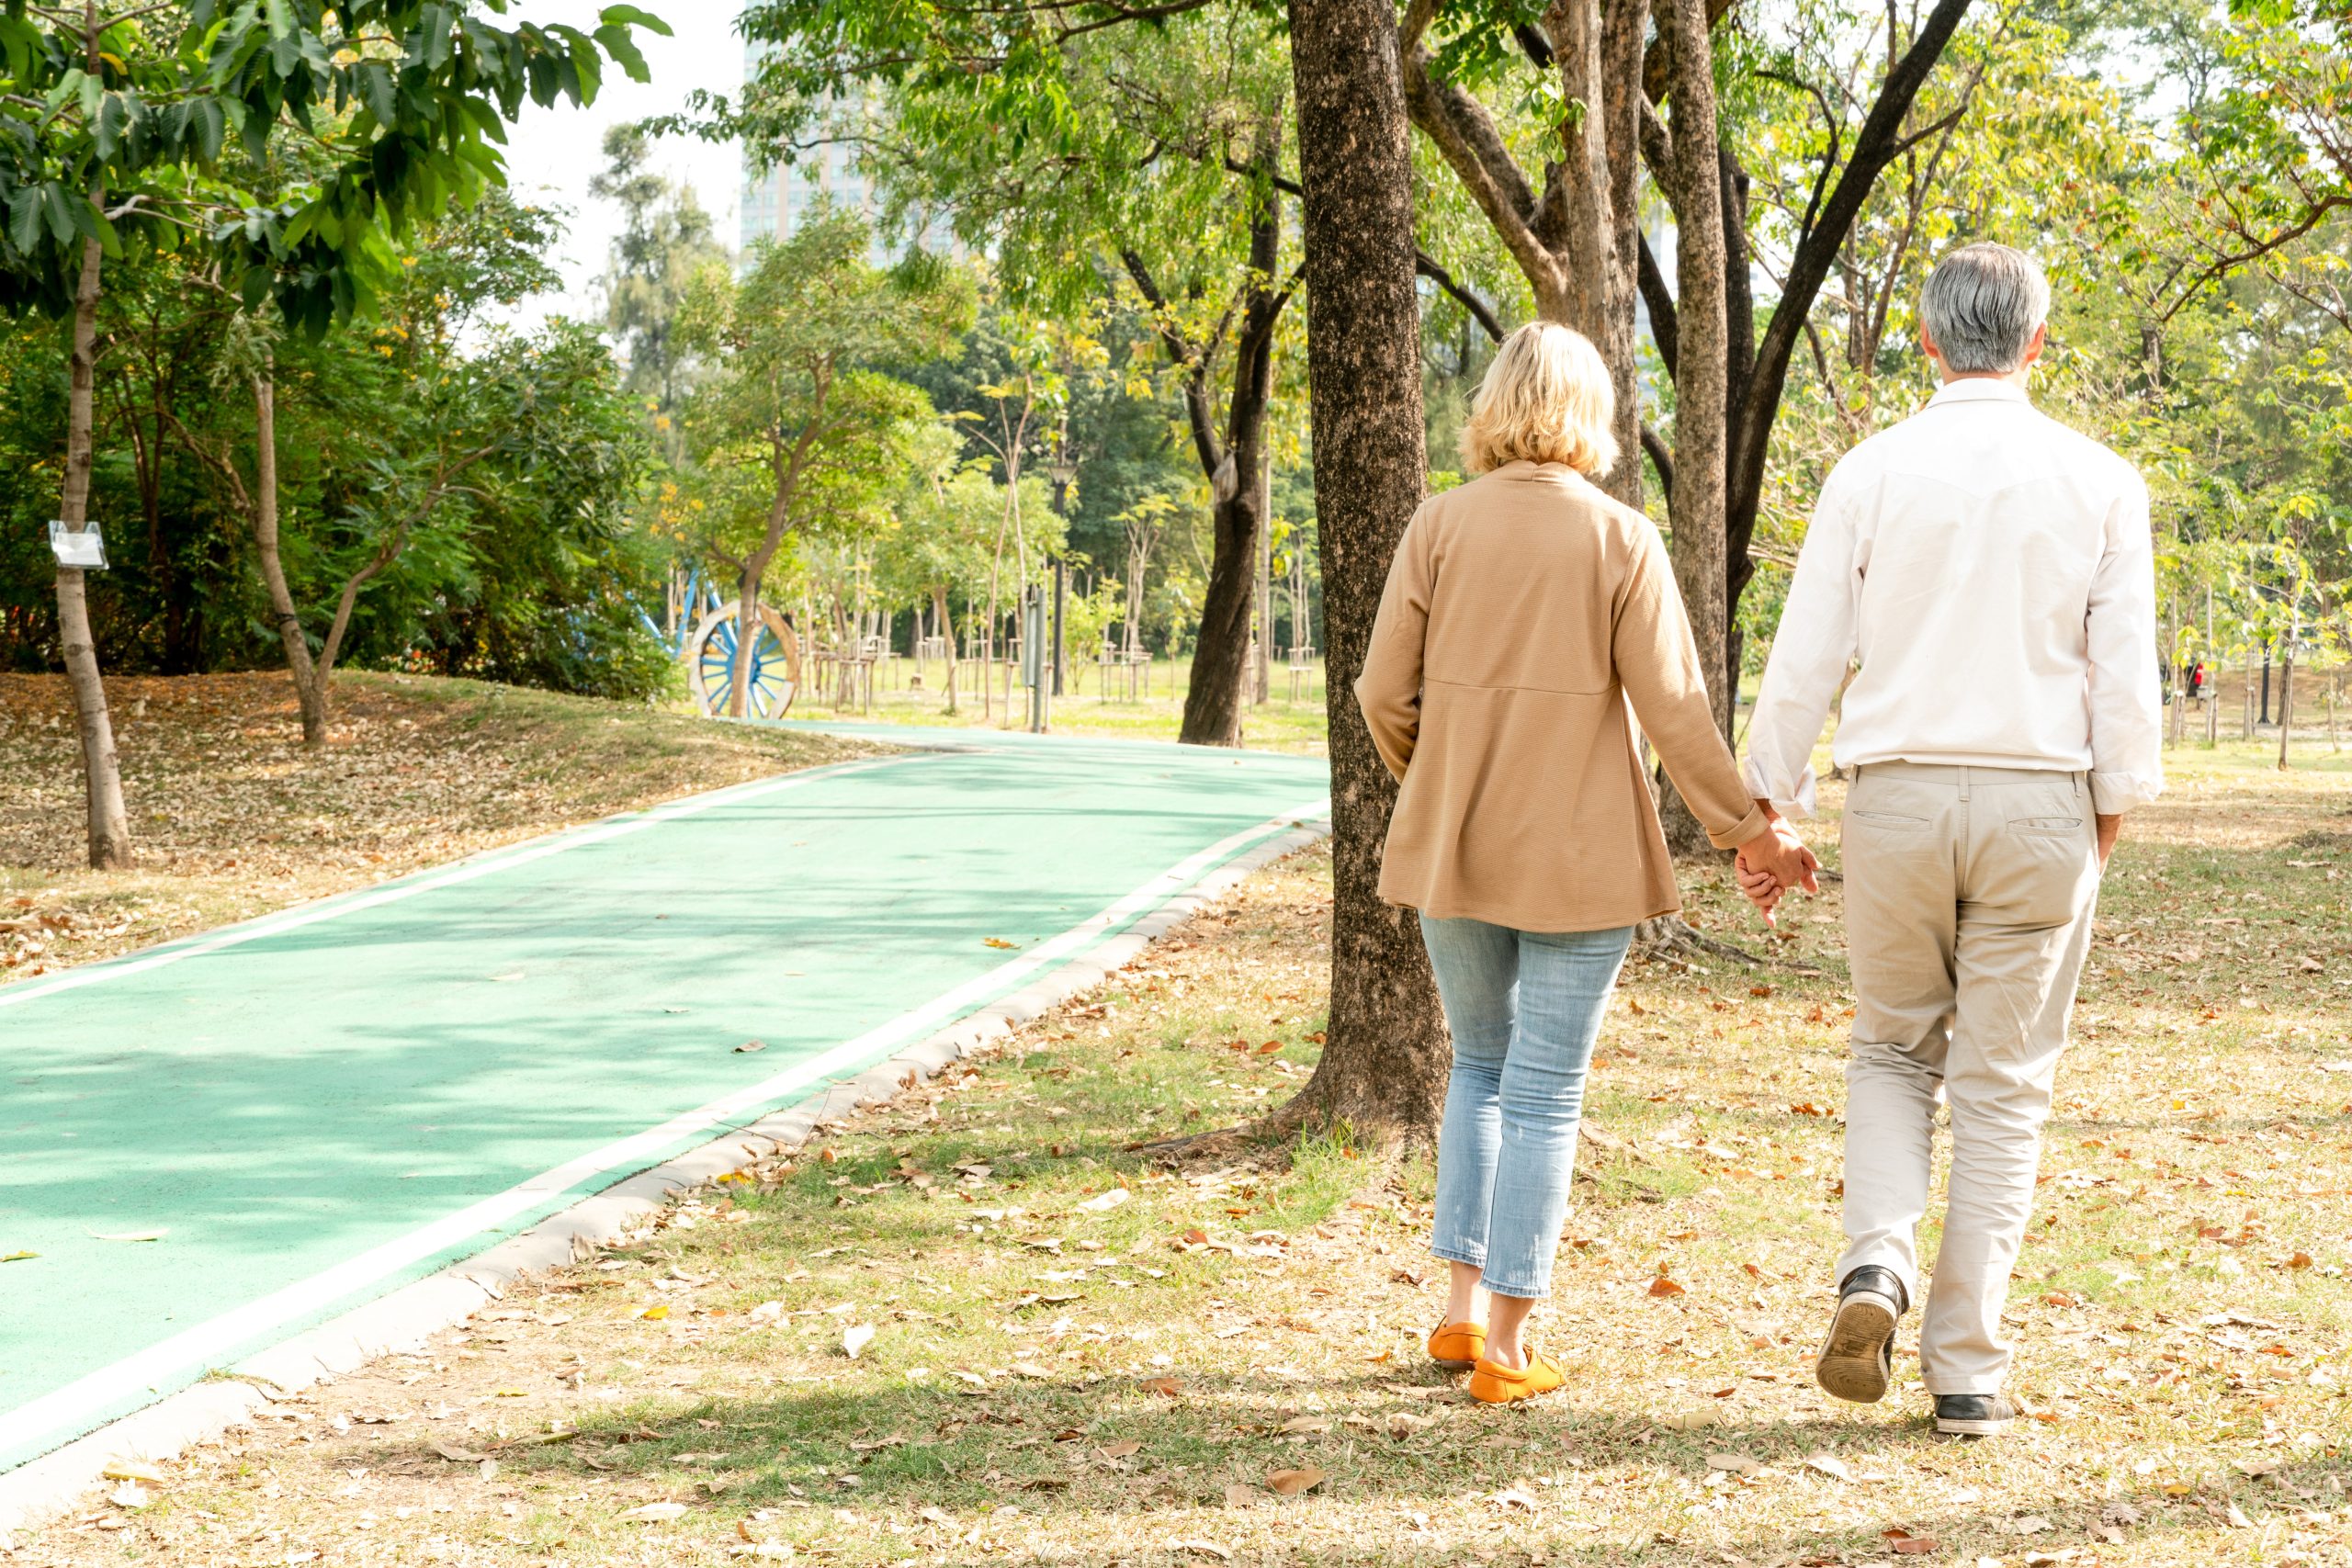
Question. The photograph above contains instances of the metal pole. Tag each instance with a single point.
(1033, 673)
(1061, 604)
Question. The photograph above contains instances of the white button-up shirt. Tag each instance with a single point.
(1992, 571)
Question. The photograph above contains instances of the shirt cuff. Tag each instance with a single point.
(1794, 802)
(2112, 794)
(1752, 824)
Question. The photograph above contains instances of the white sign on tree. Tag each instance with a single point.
(84, 547)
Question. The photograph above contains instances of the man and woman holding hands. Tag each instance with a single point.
(1985, 576)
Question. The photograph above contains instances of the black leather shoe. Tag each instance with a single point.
(1856, 1361)
(1973, 1415)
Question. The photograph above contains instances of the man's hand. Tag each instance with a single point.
(1773, 862)
(2109, 828)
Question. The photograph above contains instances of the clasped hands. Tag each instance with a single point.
(1774, 863)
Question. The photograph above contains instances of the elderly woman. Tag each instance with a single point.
(1523, 612)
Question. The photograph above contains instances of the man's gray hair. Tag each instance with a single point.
(1982, 305)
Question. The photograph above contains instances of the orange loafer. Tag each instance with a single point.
(1458, 1347)
(1491, 1384)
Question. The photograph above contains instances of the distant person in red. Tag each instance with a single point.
(2198, 678)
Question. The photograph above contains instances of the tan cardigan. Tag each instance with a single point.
(1522, 609)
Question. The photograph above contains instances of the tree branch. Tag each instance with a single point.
(1466, 136)
(1480, 312)
(1665, 331)
(1660, 458)
(1877, 144)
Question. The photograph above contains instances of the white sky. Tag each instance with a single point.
(553, 154)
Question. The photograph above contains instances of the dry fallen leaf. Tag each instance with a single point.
(1291, 1483)
(1831, 1464)
(655, 1313)
(1914, 1545)
(1204, 1549)
(1168, 1386)
(1119, 1450)
(17, 1257)
(999, 942)
(1692, 1419)
(130, 1235)
(1662, 1286)
(855, 1338)
(1511, 1497)
(132, 1470)
(1111, 1200)
(656, 1513)
(1736, 1464)
(455, 1454)
(1297, 1425)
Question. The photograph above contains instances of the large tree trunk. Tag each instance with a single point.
(1700, 387)
(310, 691)
(1385, 1061)
(109, 824)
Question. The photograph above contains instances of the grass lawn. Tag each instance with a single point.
(1282, 723)
(232, 818)
(1067, 1352)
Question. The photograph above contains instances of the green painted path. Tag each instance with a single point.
(322, 1105)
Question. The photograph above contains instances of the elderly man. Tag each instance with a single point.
(1990, 571)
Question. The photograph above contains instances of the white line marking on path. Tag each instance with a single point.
(192, 1349)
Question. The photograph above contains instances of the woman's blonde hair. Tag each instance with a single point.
(1547, 399)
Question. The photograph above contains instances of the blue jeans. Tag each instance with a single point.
(1524, 1008)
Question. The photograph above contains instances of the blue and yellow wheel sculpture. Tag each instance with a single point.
(775, 676)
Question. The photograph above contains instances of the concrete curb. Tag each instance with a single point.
(56, 1482)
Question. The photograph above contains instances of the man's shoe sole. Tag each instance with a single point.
(1853, 1364)
(1951, 1426)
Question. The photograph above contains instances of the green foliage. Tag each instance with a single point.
(799, 430)
(523, 565)
(666, 241)
(401, 103)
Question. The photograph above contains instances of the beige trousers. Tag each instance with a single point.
(1969, 894)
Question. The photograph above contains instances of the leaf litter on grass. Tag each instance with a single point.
(1147, 1432)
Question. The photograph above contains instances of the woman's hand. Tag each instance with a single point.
(1772, 864)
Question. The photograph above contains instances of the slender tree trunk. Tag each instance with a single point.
(1262, 669)
(1221, 653)
(1700, 383)
(1385, 1062)
(944, 627)
(1598, 52)
(2286, 691)
(310, 691)
(748, 626)
(1213, 703)
(109, 824)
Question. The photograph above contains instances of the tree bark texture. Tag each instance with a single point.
(109, 823)
(1387, 1056)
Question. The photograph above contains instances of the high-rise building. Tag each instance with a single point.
(776, 202)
